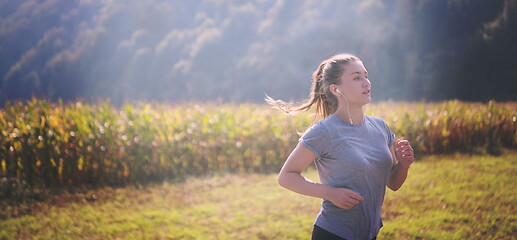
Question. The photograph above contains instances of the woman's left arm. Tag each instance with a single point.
(402, 158)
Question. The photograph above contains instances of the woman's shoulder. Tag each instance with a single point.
(320, 126)
(375, 119)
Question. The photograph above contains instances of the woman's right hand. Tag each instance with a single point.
(290, 177)
(343, 197)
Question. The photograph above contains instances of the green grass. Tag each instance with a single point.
(455, 197)
(444, 197)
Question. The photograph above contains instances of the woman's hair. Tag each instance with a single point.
(328, 72)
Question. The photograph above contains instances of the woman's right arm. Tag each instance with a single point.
(290, 177)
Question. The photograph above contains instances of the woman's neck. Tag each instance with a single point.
(352, 115)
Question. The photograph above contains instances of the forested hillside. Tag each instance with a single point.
(238, 50)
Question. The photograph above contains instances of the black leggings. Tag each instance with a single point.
(322, 234)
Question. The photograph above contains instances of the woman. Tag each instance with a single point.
(353, 153)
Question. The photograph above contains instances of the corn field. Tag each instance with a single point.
(47, 145)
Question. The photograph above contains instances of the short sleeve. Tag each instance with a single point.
(391, 135)
(317, 139)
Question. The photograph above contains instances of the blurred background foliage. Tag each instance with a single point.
(47, 145)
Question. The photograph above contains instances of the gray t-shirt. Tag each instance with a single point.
(356, 157)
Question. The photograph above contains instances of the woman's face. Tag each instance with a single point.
(355, 85)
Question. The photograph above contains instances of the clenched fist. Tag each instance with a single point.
(344, 198)
(404, 152)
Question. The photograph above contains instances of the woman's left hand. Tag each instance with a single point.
(404, 153)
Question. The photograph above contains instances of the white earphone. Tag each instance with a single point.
(348, 109)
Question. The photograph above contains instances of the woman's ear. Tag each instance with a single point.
(333, 89)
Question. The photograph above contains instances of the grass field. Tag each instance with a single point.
(445, 197)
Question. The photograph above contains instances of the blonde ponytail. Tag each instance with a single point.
(328, 72)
